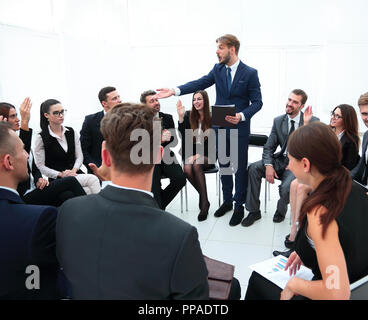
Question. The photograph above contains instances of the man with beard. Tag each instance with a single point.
(236, 84)
(166, 168)
(274, 165)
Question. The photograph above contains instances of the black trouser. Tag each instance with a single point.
(177, 181)
(259, 288)
(55, 193)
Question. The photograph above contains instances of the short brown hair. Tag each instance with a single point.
(117, 127)
(363, 99)
(6, 141)
(230, 41)
(300, 92)
(102, 95)
(145, 94)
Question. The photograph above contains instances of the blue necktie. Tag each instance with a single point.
(228, 72)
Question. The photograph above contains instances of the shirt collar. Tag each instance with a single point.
(125, 188)
(296, 119)
(235, 66)
(52, 134)
(10, 189)
(340, 134)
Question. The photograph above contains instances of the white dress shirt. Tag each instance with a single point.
(39, 152)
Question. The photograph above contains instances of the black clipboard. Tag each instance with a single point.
(219, 113)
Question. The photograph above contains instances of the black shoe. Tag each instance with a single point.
(288, 243)
(278, 217)
(252, 216)
(286, 254)
(225, 207)
(237, 217)
(204, 213)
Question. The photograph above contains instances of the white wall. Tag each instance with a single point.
(69, 49)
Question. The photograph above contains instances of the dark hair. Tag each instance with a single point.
(363, 99)
(117, 127)
(145, 94)
(300, 92)
(6, 144)
(45, 108)
(230, 41)
(320, 145)
(350, 120)
(194, 114)
(5, 108)
(102, 95)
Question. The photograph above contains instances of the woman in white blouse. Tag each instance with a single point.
(58, 151)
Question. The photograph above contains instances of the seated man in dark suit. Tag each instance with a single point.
(274, 165)
(90, 135)
(171, 170)
(360, 172)
(119, 244)
(28, 264)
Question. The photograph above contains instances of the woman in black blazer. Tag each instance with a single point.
(344, 121)
(203, 156)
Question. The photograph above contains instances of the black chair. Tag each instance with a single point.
(258, 141)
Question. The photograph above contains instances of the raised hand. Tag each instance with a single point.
(164, 93)
(25, 113)
(308, 113)
(103, 172)
(181, 110)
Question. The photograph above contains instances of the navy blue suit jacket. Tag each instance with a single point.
(245, 91)
(27, 237)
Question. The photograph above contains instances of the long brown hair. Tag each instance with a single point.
(5, 109)
(350, 120)
(194, 114)
(320, 145)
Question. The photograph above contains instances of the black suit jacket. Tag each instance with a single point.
(359, 173)
(350, 152)
(26, 137)
(91, 139)
(119, 245)
(168, 123)
(27, 237)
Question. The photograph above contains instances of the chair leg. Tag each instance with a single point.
(265, 205)
(186, 198)
(181, 200)
(219, 189)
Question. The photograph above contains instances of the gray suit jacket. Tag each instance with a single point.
(278, 137)
(359, 173)
(119, 245)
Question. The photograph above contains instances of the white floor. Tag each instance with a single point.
(240, 246)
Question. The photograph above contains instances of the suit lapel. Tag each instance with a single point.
(237, 76)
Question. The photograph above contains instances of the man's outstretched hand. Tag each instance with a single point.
(164, 93)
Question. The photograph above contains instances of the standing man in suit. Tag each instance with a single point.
(119, 244)
(273, 165)
(27, 232)
(166, 168)
(360, 172)
(238, 84)
(90, 135)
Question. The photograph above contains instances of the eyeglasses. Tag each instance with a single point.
(335, 116)
(59, 113)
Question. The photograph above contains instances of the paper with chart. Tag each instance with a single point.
(274, 270)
